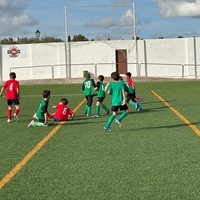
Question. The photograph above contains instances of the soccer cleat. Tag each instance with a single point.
(32, 123)
(35, 116)
(16, 117)
(118, 122)
(139, 108)
(97, 116)
(107, 113)
(9, 120)
(107, 128)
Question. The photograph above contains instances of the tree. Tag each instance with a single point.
(79, 37)
(26, 40)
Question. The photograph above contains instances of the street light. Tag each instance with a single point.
(37, 34)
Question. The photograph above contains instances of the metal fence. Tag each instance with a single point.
(147, 70)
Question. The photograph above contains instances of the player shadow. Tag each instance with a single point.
(68, 123)
(154, 102)
(161, 127)
(146, 110)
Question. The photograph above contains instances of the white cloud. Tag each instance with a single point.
(124, 20)
(179, 8)
(103, 22)
(127, 18)
(13, 17)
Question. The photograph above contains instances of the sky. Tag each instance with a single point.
(100, 19)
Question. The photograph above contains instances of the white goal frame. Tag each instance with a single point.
(95, 6)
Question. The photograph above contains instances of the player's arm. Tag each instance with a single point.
(71, 113)
(55, 106)
(97, 86)
(45, 117)
(46, 114)
(124, 97)
(18, 93)
(93, 83)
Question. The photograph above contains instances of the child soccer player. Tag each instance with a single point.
(133, 96)
(12, 96)
(42, 113)
(63, 112)
(118, 101)
(100, 96)
(88, 88)
(130, 98)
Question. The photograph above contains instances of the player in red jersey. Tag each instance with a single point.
(129, 80)
(12, 95)
(63, 112)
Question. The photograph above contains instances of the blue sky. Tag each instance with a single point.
(154, 18)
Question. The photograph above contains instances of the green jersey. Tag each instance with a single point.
(88, 87)
(116, 91)
(42, 109)
(100, 89)
(128, 88)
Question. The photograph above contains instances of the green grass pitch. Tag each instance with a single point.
(154, 155)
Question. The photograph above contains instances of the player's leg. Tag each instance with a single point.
(103, 106)
(97, 108)
(17, 109)
(124, 110)
(89, 99)
(114, 109)
(9, 110)
(37, 124)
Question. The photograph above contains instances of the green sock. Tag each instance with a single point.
(135, 104)
(110, 120)
(104, 107)
(97, 110)
(86, 106)
(89, 110)
(122, 116)
(39, 124)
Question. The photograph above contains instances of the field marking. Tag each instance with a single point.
(52, 95)
(184, 119)
(28, 156)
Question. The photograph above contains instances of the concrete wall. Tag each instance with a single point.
(173, 58)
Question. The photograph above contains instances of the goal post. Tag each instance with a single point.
(97, 22)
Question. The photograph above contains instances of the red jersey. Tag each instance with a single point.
(62, 112)
(12, 89)
(130, 82)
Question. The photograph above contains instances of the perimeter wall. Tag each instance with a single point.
(161, 58)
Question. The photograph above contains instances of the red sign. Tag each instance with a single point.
(13, 51)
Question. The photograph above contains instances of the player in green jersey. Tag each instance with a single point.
(101, 94)
(118, 101)
(130, 98)
(42, 113)
(88, 90)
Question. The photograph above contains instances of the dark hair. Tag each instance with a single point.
(115, 76)
(46, 93)
(128, 74)
(87, 75)
(120, 78)
(64, 101)
(12, 75)
(101, 77)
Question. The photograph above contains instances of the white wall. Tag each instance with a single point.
(155, 58)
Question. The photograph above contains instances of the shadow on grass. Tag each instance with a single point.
(162, 127)
(156, 109)
(154, 102)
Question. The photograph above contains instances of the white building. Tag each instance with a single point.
(161, 58)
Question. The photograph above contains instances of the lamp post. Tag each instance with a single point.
(37, 34)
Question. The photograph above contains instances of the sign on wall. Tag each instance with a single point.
(14, 51)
